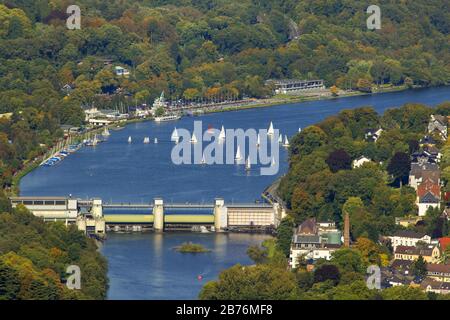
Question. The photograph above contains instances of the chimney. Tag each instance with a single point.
(347, 231)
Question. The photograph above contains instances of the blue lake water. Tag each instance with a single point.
(143, 266)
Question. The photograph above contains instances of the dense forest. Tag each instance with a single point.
(197, 48)
(321, 183)
(34, 257)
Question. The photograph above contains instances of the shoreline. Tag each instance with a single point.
(33, 164)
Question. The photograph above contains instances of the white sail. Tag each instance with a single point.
(203, 159)
(271, 131)
(95, 141)
(273, 162)
(286, 141)
(299, 129)
(222, 134)
(194, 138)
(146, 140)
(105, 132)
(129, 139)
(238, 154)
(175, 137)
(248, 165)
(280, 138)
(258, 142)
(156, 140)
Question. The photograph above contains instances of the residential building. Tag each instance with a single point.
(421, 171)
(430, 253)
(373, 134)
(120, 71)
(408, 238)
(360, 161)
(438, 272)
(429, 200)
(430, 285)
(314, 240)
(438, 126)
(443, 243)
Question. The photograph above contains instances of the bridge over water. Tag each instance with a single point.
(96, 216)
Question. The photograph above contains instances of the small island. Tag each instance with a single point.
(189, 247)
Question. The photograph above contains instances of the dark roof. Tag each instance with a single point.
(306, 239)
(427, 140)
(441, 268)
(401, 264)
(429, 198)
(414, 250)
(409, 234)
(308, 226)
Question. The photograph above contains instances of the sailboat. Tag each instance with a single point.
(271, 131)
(258, 141)
(273, 162)
(299, 129)
(129, 139)
(286, 141)
(238, 154)
(156, 140)
(106, 132)
(203, 159)
(94, 141)
(280, 138)
(222, 134)
(175, 137)
(194, 138)
(146, 140)
(248, 165)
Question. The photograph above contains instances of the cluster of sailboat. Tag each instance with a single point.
(238, 158)
(146, 140)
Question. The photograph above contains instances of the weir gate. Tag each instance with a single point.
(95, 216)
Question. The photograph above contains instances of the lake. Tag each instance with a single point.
(144, 266)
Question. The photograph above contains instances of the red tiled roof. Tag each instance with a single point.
(429, 186)
(443, 243)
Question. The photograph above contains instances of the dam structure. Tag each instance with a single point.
(94, 216)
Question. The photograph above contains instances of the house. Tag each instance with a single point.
(121, 71)
(443, 243)
(429, 200)
(402, 266)
(91, 113)
(314, 240)
(421, 171)
(373, 134)
(430, 253)
(432, 152)
(427, 141)
(408, 238)
(430, 285)
(438, 126)
(438, 272)
(360, 161)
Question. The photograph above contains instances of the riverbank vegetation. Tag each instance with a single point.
(189, 247)
(321, 183)
(34, 257)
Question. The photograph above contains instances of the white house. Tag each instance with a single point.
(408, 238)
(121, 71)
(429, 200)
(360, 161)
